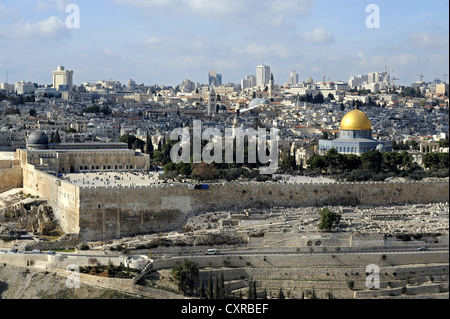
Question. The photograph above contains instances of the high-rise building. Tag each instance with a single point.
(62, 79)
(356, 81)
(24, 88)
(293, 78)
(187, 86)
(262, 75)
(131, 85)
(214, 79)
(248, 82)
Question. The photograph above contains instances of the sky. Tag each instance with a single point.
(164, 42)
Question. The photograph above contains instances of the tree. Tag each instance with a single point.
(251, 292)
(184, 168)
(288, 163)
(281, 294)
(210, 286)
(329, 219)
(52, 138)
(203, 171)
(202, 289)
(436, 161)
(132, 141)
(162, 156)
(318, 99)
(57, 138)
(316, 162)
(217, 289)
(372, 160)
(186, 274)
(222, 287)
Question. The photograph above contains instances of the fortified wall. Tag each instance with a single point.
(104, 213)
(10, 175)
(107, 213)
(62, 196)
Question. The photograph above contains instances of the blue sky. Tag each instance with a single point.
(167, 41)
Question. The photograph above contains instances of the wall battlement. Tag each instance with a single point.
(162, 185)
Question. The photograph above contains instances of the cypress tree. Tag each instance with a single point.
(210, 287)
(202, 289)
(222, 287)
(281, 294)
(57, 138)
(216, 290)
(250, 288)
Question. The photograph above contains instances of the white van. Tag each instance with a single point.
(212, 252)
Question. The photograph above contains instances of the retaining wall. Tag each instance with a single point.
(104, 213)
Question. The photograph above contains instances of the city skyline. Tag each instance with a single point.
(165, 42)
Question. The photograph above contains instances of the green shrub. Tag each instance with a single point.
(84, 246)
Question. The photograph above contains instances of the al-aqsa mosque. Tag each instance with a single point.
(355, 136)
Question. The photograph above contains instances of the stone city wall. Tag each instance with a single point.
(108, 213)
(104, 213)
(10, 175)
(62, 196)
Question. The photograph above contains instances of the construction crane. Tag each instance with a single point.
(393, 81)
(444, 75)
(420, 76)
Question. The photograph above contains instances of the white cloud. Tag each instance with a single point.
(177, 44)
(47, 5)
(7, 12)
(234, 11)
(46, 30)
(275, 49)
(424, 40)
(318, 36)
(403, 59)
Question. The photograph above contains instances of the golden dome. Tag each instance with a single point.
(356, 121)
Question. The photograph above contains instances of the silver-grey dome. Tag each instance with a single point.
(38, 138)
(381, 148)
(264, 101)
(255, 102)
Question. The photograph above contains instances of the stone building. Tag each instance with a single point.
(80, 157)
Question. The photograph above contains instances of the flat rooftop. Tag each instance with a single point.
(146, 178)
(112, 179)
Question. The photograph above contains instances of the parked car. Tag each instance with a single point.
(423, 248)
(212, 252)
(14, 250)
(51, 252)
(36, 251)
